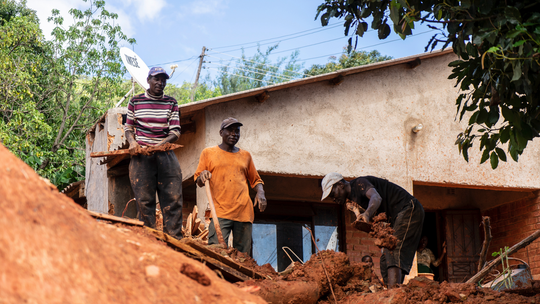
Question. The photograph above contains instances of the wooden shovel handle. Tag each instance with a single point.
(214, 214)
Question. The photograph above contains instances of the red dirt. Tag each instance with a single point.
(52, 251)
(241, 258)
(422, 290)
(383, 233)
(357, 283)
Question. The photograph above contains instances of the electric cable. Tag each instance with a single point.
(262, 70)
(232, 74)
(273, 66)
(316, 30)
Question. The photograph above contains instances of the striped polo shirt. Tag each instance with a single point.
(152, 119)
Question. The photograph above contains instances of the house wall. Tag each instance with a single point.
(363, 127)
(511, 223)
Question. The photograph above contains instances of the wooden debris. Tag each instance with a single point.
(115, 219)
(229, 269)
(481, 274)
(195, 228)
(486, 243)
(125, 151)
(223, 259)
(232, 271)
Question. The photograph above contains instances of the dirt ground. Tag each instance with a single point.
(52, 251)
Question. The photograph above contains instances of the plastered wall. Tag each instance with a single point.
(363, 127)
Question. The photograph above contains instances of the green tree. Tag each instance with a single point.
(53, 91)
(346, 60)
(257, 71)
(498, 46)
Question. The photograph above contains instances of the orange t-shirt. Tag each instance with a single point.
(231, 173)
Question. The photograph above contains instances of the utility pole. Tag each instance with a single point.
(198, 73)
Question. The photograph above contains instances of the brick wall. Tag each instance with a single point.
(511, 223)
(359, 244)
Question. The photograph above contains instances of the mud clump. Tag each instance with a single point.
(383, 233)
(308, 283)
(196, 275)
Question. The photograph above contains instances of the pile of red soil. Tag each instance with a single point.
(241, 258)
(309, 283)
(52, 251)
(422, 290)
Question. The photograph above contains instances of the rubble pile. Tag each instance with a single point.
(53, 251)
(423, 290)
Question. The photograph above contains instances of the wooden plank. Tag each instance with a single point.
(109, 153)
(225, 260)
(125, 151)
(187, 233)
(116, 160)
(228, 272)
(117, 219)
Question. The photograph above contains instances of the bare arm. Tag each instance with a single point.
(374, 203)
(133, 145)
(438, 262)
(169, 139)
(260, 198)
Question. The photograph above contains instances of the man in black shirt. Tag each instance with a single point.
(405, 213)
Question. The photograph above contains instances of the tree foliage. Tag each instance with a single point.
(257, 71)
(498, 46)
(53, 91)
(346, 60)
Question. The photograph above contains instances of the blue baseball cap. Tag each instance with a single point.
(156, 71)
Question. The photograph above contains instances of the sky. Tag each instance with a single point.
(174, 32)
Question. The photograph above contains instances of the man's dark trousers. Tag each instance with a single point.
(158, 172)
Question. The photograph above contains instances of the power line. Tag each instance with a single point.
(222, 47)
(305, 46)
(249, 47)
(317, 29)
(264, 74)
(262, 70)
(188, 66)
(231, 74)
(365, 47)
(273, 66)
(175, 61)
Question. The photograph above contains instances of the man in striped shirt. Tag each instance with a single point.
(153, 119)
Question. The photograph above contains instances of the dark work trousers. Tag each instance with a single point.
(241, 234)
(158, 172)
(408, 230)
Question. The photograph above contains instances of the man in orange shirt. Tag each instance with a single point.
(229, 169)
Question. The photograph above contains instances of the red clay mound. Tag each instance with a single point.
(52, 251)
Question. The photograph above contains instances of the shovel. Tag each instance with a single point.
(214, 214)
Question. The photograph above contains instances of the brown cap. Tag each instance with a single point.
(228, 122)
